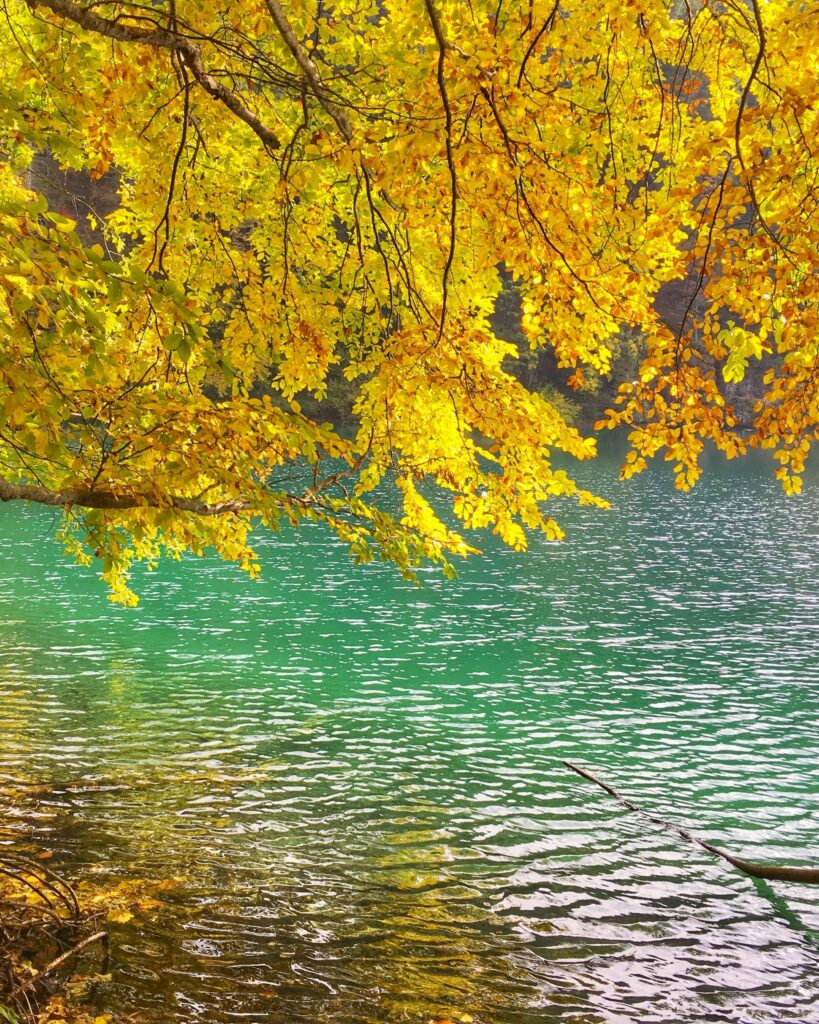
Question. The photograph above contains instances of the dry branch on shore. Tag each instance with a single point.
(42, 931)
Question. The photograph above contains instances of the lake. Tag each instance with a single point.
(358, 785)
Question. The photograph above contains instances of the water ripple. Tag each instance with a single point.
(360, 782)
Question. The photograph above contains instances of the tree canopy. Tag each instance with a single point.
(342, 186)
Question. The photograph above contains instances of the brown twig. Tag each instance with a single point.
(48, 879)
(440, 39)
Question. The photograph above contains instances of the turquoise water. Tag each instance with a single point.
(359, 783)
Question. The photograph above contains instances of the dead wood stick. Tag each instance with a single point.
(26, 881)
(50, 968)
(771, 872)
(46, 877)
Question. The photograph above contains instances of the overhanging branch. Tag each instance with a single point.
(308, 68)
(189, 51)
(91, 498)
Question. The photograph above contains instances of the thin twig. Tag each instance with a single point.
(440, 39)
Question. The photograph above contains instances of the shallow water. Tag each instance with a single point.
(360, 782)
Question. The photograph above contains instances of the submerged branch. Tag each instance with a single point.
(771, 872)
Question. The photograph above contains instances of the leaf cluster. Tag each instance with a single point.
(340, 192)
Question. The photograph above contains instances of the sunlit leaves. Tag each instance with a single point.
(162, 354)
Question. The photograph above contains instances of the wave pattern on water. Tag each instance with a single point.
(360, 781)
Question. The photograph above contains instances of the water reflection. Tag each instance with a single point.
(360, 782)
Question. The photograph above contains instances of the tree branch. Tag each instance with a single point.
(743, 102)
(92, 498)
(309, 69)
(189, 51)
(771, 872)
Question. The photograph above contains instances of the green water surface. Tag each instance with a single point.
(359, 782)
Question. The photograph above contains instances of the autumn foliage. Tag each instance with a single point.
(315, 187)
